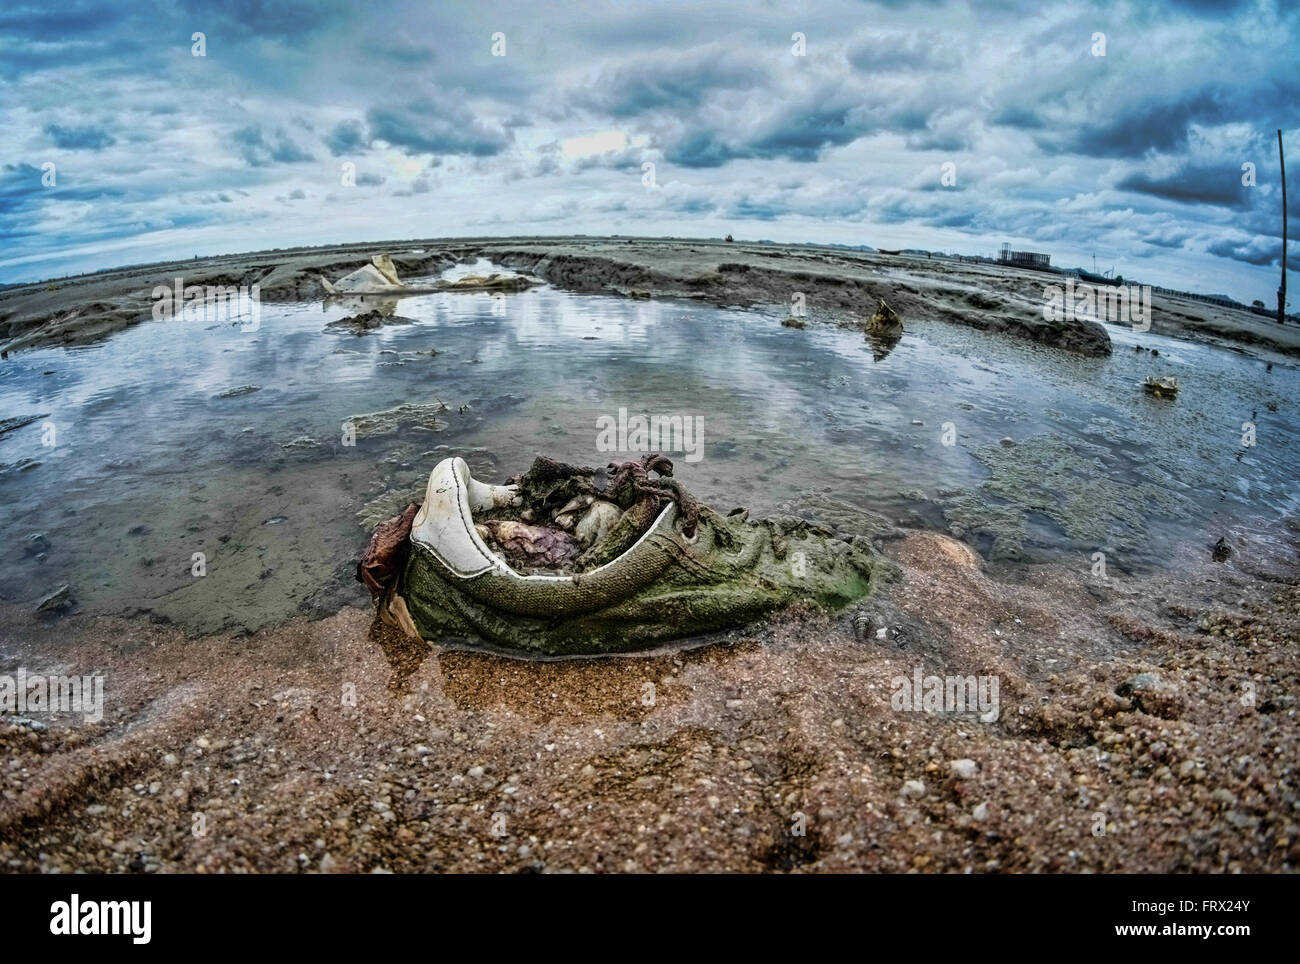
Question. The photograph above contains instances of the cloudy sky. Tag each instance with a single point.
(1135, 156)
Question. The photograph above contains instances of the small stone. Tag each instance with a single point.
(475, 772)
(913, 788)
(963, 769)
(981, 812)
(1225, 797)
(1151, 694)
(35, 726)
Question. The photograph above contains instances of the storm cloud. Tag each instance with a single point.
(1064, 128)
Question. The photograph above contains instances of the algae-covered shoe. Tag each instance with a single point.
(684, 572)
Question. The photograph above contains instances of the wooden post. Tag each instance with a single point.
(1281, 292)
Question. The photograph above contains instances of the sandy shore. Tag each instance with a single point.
(1145, 723)
(250, 754)
(841, 285)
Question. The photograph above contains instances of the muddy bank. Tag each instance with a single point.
(837, 285)
(841, 285)
(842, 289)
(318, 747)
(87, 308)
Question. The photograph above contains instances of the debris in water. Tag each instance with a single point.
(1166, 386)
(241, 390)
(491, 282)
(886, 322)
(368, 321)
(378, 277)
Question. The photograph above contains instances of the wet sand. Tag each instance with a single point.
(229, 754)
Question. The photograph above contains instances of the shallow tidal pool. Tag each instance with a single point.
(189, 439)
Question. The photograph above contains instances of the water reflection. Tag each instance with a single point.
(193, 431)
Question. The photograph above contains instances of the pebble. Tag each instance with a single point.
(1151, 694)
(913, 788)
(963, 769)
(1225, 797)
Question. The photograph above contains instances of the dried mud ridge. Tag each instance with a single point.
(841, 285)
(328, 746)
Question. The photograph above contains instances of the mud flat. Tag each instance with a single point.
(841, 285)
(327, 747)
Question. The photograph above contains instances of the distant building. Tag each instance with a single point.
(1024, 259)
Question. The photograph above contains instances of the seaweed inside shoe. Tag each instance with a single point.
(568, 560)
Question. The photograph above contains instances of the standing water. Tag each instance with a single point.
(183, 446)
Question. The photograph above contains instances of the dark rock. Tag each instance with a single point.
(8, 425)
(1222, 551)
(240, 390)
(57, 601)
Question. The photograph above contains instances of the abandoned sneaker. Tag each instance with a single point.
(668, 568)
